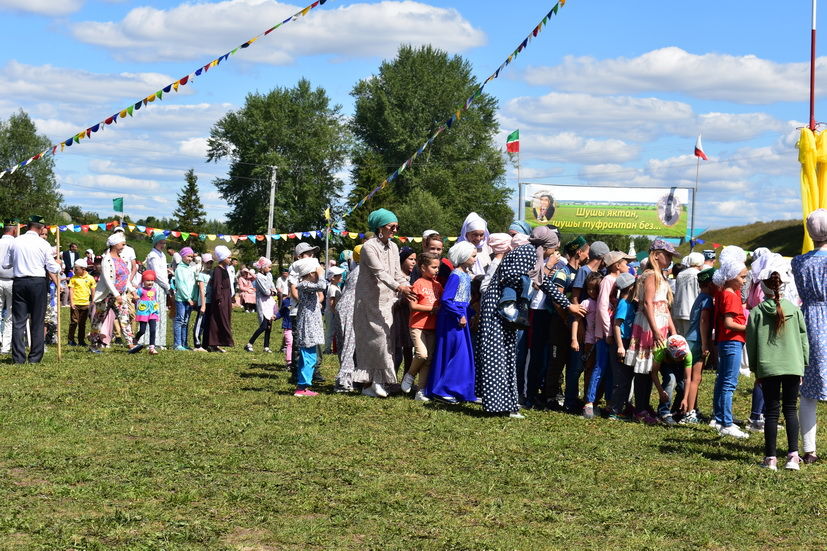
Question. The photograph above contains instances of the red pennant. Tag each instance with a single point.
(176, 234)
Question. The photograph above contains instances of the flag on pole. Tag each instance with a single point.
(699, 149)
(512, 142)
(327, 214)
(117, 204)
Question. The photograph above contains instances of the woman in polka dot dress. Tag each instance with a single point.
(497, 342)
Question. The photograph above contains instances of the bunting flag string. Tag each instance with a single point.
(458, 113)
(228, 238)
(159, 95)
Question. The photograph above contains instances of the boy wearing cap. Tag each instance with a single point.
(81, 287)
(671, 361)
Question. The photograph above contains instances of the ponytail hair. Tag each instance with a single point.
(774, 284)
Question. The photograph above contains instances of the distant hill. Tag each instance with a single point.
(780, 236)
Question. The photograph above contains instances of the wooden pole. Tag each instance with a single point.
(57, 300)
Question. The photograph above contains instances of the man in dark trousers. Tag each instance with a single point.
(31, 259)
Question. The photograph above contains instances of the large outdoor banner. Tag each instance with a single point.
(608, 210)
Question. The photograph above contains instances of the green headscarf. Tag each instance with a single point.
(379, 218)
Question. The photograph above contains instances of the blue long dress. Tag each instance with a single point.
(810, 272)
(452, 367)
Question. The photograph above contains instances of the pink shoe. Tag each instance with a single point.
(305, 392)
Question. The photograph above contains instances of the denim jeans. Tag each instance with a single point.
(307, 361)
(672, 380)
(757, 402)
(574, 368)
(729, 363)
(180, 326)
(602, 372)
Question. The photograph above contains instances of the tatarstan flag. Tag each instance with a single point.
(512, 142)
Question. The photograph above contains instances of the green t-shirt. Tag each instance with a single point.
(661, 356)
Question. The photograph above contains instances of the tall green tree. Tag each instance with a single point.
(33, 188)
(462, 171)
(190, 215)
(296, 130)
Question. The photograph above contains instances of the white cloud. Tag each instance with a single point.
(194, 147)
(151, 34)
(48, 83)
(42, 7)
(567, 147)
(631, 118)
(741, 79)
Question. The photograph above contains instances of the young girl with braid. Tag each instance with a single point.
(778, 350)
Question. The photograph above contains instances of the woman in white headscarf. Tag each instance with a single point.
(475, 231)
(110, 293)
(810, 273)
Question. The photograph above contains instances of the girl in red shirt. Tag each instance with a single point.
(730, 332)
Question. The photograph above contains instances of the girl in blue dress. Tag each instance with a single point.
(451, 377)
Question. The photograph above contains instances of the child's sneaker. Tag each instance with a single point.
(152, 350)
(645, 418)
(715, 424)
(248, 347)
(690, 418)
(136, 349)
(420, 397)
(267, 350)
(733, 431)
(756, 425)
(770, 463)
(407, 383)
(667, 420)
(809, 458)
(793, 462)
(305, 392)
(588, 412)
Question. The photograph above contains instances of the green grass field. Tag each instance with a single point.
(187, 451)
(646, 222)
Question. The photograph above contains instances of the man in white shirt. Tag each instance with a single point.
(30, 257)
(156, 260)
(6, 281)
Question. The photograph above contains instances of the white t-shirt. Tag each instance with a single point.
(282, 285)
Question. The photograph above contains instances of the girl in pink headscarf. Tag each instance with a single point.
(500, 245)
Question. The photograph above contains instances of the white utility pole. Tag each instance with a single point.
(270, 228)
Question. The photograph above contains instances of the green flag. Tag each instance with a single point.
(117, 204)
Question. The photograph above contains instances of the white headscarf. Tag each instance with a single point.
(732, 253)
(460, 253)
(727, 271)
(474, 222)
(817, 225)
(760, 257)
(693, 260)
(222, 253)
(114, 239)
(304, 266)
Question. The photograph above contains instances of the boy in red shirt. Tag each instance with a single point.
(423, 322)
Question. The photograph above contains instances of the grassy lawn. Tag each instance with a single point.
(212, 451)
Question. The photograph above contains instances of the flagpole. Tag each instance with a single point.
(813, 70)
(692, 218)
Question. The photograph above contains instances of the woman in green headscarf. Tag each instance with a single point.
(380, 283)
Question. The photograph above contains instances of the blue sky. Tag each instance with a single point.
(611, 93)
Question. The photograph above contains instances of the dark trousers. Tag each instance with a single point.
(263, 328)
(78, 323)
(782, 389)
(29, 296)
(142, 329)
(538, 360)
(559, 340)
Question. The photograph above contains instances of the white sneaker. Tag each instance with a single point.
(368, 391)
(420, 397)
(248, 347)
(267, 350)
(379, 390)
(733, 431)
(516, 415)
(793, 463)
(715, 424)
(407, 383)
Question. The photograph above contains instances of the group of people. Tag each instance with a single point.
(513, 320)
(518, 320)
